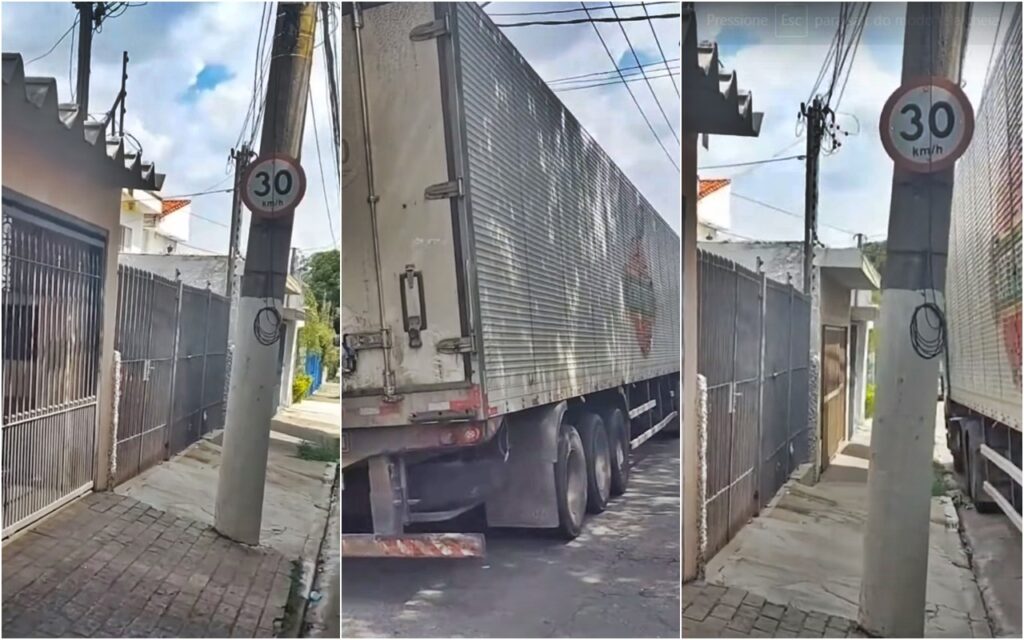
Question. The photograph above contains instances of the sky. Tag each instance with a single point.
(608, 112)
(190, 79)
(779, 69)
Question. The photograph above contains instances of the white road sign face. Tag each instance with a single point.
(926, 125)
(274, 185)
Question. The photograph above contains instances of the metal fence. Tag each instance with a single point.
(52, 309)
(172, 340)
(753, 352)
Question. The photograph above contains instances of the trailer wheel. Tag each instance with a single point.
(618, 439)
(599, 466)
(570, 482)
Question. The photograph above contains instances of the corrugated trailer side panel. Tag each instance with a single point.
(577, 275)
(984, 270)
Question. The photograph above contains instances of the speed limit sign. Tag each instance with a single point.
(273, 185)
(926, 124)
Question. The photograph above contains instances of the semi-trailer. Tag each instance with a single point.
(983, 294)
(510, 300)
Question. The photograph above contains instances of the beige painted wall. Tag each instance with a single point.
(689, 371)
(45, 161)
(835, 302)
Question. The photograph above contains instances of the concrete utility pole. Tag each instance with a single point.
(86, 16)
(241, 158)
(814, 115)
(892, 596)
(243, 468)
(815, 118)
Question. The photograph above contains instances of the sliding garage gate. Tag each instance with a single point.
(52, 310)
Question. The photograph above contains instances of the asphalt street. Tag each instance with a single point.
(619, 578)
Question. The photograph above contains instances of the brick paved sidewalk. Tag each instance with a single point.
(110, 566)
(711, 611)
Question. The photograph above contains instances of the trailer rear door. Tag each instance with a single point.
(416, 268)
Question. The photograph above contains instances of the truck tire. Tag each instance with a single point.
(570, 482)
(618, 439)
(599, 467)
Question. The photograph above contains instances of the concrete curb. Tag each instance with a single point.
(298, 596)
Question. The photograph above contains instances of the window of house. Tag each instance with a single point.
(126, 238)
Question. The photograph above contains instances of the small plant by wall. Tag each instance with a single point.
(300, 386)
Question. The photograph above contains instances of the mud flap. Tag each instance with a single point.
(527, 497)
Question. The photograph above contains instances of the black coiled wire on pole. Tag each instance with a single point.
(932, 345)
(266, 326)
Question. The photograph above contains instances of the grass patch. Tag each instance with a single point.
(318, 452)
(939, 472)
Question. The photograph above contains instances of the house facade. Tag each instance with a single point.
(713, 104)
(150, 224)
(713, 214)
(62, 185)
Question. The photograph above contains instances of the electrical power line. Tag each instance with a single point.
(606, 75)
(752, 162)
(554, 23)
(654, 94)
(594, 85)
(788, 212)
(562, 11)
(323, 178)
(197, 193)
(661, 51)
(858, 33)
(630, 90)
(59, 40)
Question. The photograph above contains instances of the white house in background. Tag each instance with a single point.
(713, 215)
(150, 224)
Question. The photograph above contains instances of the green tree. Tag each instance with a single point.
(317, 335)
(323, 277)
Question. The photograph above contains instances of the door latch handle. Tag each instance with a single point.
(414, 307)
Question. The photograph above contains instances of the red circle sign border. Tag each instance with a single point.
(298, 172)
(952, 157)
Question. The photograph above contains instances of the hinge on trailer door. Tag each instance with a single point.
(430, 30)
(444, 190)
(369, 340)
(455, 345)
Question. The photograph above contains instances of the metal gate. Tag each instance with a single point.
(172, 340)
(147, 318)
(52, 316)
(751, 331)
(833, 392)
(785, 440)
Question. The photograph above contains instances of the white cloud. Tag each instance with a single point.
(168, 45)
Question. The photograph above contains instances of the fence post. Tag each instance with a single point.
(762, 310)
(206, 361)
(732, 400)
(702, 474)
(789, 378)
(174, 372)
(114, 421)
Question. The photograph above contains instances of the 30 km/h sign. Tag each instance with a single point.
(273, 185)
(926, 125)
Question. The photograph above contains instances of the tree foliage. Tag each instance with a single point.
(317, 335)
(323, 277)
